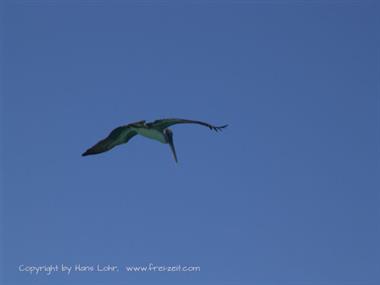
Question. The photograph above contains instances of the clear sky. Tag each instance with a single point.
(287, 194)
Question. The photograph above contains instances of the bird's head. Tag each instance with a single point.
(168, 135)
(169, 139)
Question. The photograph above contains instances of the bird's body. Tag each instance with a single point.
(151, 133)
(157, 130)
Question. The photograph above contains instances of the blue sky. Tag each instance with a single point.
(287, 194)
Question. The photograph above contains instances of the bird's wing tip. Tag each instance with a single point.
(219, 128)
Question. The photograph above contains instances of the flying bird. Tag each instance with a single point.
(157, 130)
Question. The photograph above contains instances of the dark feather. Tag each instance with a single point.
(165, 123)
(118, 136)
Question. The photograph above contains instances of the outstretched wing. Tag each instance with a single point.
(165, 123)
(118, 136)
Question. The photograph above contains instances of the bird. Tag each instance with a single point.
(157, 130)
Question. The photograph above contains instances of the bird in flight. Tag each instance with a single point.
(157, 130)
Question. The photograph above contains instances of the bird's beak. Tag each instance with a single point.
(171, 144)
